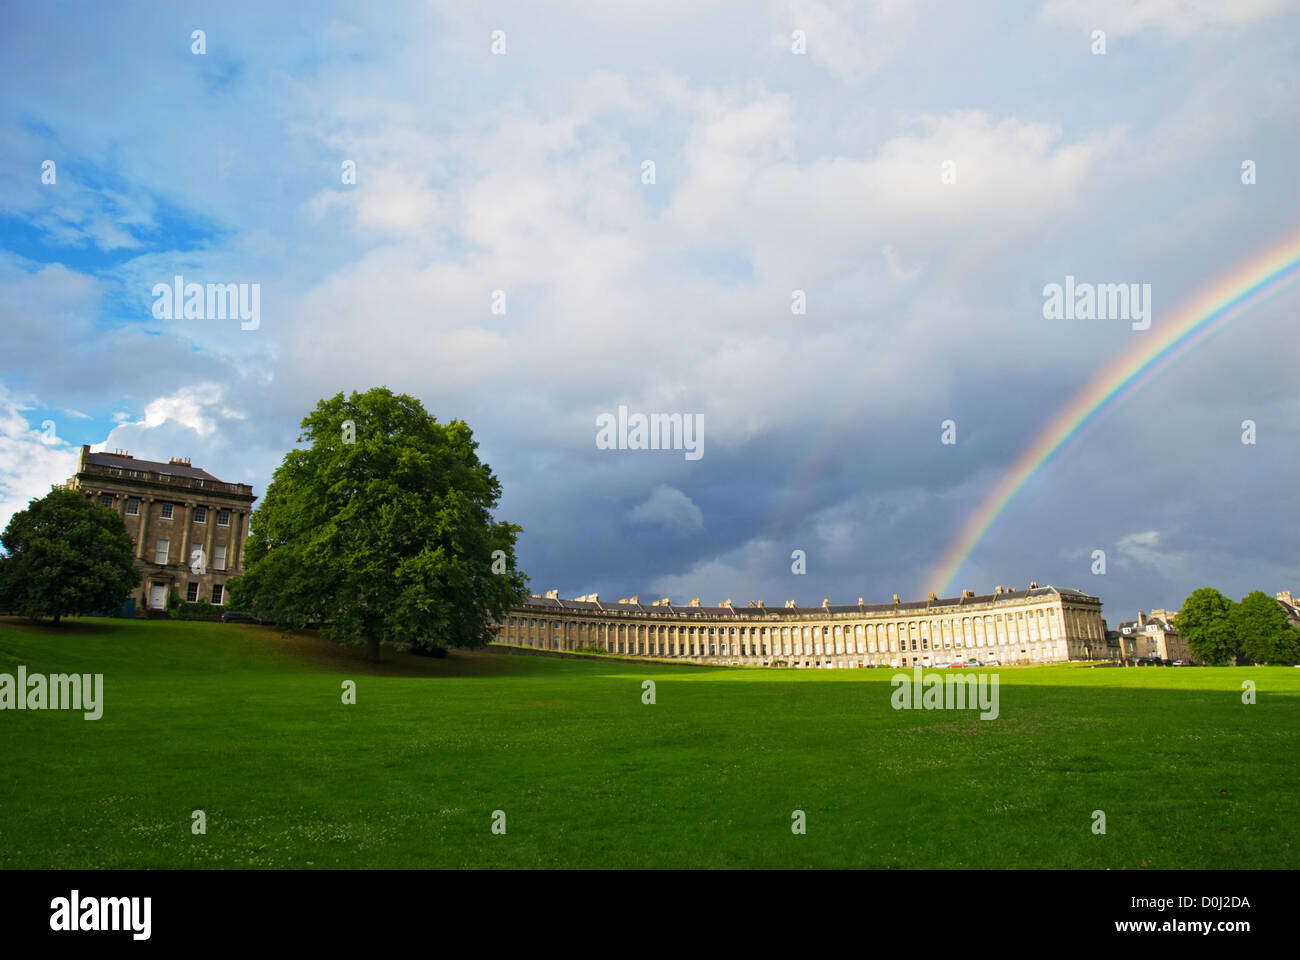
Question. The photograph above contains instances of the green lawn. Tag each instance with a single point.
(248, 726)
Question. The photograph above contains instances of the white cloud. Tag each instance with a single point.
(849, 38)
(670, 509)
(1142, 550)
(175, 424)
(897, 271)
(29, 462)
(716, 578)
(1177, 17)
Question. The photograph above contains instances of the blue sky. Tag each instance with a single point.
(774, 172)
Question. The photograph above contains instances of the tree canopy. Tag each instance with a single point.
(381, 530)
(1206, 621)
(1262, 631)
(66, 556)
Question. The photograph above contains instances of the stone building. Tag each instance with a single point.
(188, 527)
(1039, 625)
(1153, 637)
(1290, 606)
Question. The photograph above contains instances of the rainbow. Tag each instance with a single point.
(1246, 285)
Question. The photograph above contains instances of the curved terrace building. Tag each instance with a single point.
(1038, 625)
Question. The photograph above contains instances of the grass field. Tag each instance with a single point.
(248, 726)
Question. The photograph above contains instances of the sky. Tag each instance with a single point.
(820, 229)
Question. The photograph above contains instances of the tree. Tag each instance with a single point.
(380, 530)
(66, 555)
(1206, 621)
(1262, 629)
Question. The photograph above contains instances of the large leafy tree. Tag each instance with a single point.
(381, 530)
(1206, 620)
(66, 555)
(1262, 629)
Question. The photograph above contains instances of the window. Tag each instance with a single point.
(162, 551)
(200, 514)
(133, 506)
(219, 558)
(217, 590)
(105, 499)
(192, 593)
(223, 518)
(167, 511)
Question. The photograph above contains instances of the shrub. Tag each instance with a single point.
(202, 610)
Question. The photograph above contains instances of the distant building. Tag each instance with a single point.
(1152, 637)
(1038, 625)
(1290, 606)
(188, 527)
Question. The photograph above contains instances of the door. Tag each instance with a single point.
(157, 596)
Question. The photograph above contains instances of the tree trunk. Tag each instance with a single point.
(56, 618)
(372, 650)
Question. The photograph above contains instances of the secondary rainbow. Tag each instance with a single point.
(1251, 282)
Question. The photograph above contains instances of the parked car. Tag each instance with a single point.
(239, 616)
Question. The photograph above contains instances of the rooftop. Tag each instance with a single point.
(593, 604)
(127, 462)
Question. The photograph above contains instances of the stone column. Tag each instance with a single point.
(234, 562)
(186, 520)
(207, 553)
(211, 537)
(146, 504)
